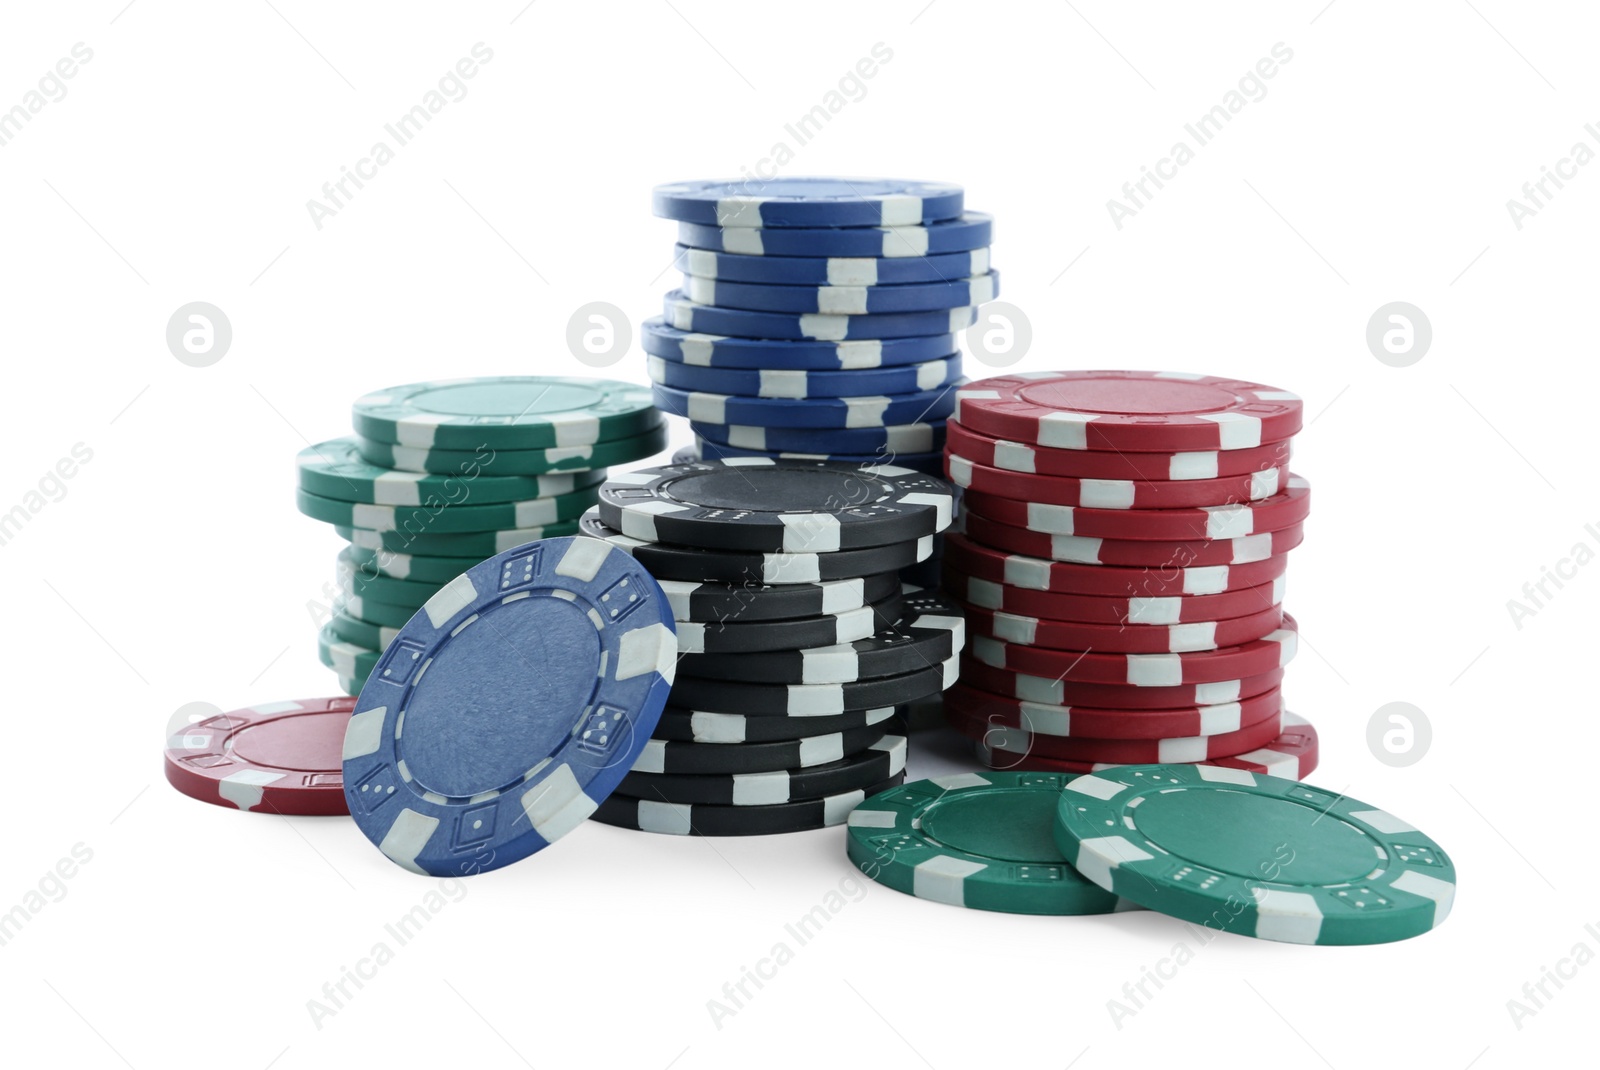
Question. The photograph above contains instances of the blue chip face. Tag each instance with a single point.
(809, 202)
(718, 351)
(825, 413)
(972, 230)
(509, 707)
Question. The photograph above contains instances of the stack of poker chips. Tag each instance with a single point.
(818, 317)
(440, 476)
(1121, 556)
(798, 642)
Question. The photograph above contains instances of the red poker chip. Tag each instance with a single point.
(1117, 751)
(1274, 513)
(279, 757)
(1124, 553)
(1143, 670)
(1068, 635)
(1114, 495)
(1140, 412)
(1056, 692)
(1112, 464)
(1292, 756)
(1095, 609)
(1080, 722)
(1065, 577)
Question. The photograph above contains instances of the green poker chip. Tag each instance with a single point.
(362, 633)
(447, 519)
(373, 586)
(420, 568)
(483, 459)
(345, 658)
(980, 840)
(336, 469)
(513, 412)
(374, 612)
(479, 544)
(1255, 855)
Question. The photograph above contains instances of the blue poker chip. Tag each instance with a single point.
(884, 442)
(973, 230)
(703, 450)
(808, 202)
(509, 707)
(830, 271)
(718, 351)
(843, 300)
(800, 383)
(832, 413)
(687, 315)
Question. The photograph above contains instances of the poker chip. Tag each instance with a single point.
(361, 633)
(482, 459)
(803, 384)
(1272, 512)
(1274, 651)
(275, 757)
(1129, 411)
(1095, 609)
(1255, 855)
(660, 339)
(703, 726)
(740, 637)
(683, 819)
(979, 840)
(828, 413)
(369, 583)
(814, 700)
(842, 300)
(928, 631)
(686, 315)
(1125, 638)
(830, 271)
(474, 544)
(348, 659)
(889, 441)
(970, 230)
(526, 688)
(511, 412)
(717, 603)
(808, 202)
(976, 706)
(1122, 696)
(1293, 755)
(336, 469)
(1044, 500)
(669, 561)
(668, 757)
(420, 568)
(1118, 751)
(765, 505)
(447, 519)
(1088, 550)
(373, 612)
(927, 463)
(1163, 579)
(1115, 464)
(884, 759)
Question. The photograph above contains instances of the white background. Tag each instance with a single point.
(175, 568)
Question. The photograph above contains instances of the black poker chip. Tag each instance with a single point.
(882, 760)
(929, 630)
(738, 637)
(666, 561)
(664, 756)
(682, 819)
(703, 726)
(811, 700)
(729, 602)
(772, 505)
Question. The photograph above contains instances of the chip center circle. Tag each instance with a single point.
(803, 490)
(1129, 397)
(1005, 824)
(481, 717)
(301, 741)
(1257, 837)
(511, 400)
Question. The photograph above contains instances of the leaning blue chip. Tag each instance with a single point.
(687, 315)
(831, 413)
(809, 202)
(973, 230)
(801, 383)
(883, 441)
(843, 300)
(830, 271)
(719, 351)
(509, 707)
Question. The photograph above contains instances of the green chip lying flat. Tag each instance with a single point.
(445, 519)
(1254, 855)
(513, 412)
(344, 658)
(979, 840)
(479, 544)
(336, 469)
(482, 459)
(361, 633)
(420, 568)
